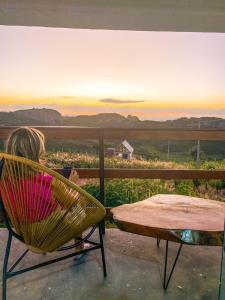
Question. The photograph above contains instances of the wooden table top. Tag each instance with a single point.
(161, 214)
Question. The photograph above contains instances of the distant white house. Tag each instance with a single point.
(123, 150)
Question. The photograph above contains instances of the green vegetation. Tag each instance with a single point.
(77, 160)
(119, 191)
(180, 151)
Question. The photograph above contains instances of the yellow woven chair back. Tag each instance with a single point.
(45, 209)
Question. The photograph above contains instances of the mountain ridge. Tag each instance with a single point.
(45, 117)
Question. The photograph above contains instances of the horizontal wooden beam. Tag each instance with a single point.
(151, 174)
(164, 134)
(164, 174)
(70, 132)
(82, 172)
(59, 132)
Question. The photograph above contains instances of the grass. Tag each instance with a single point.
(77, 160)
(119, 191)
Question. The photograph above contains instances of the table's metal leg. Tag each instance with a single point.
(158, 241)
(165, 280)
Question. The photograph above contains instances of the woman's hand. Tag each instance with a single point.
(73, 176)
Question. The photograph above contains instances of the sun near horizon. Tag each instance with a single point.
(153, 75)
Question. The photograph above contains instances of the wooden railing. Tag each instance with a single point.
(70, 132)
(102, 134)
(151, 173)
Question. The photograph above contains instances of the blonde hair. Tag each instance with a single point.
(26, 142)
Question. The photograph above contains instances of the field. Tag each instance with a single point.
(119, 191)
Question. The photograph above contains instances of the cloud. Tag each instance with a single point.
(118, 101)
(66, 97)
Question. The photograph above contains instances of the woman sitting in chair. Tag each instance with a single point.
(38, 200)
(29, 143)
(42, 208)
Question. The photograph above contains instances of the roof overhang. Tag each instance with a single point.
(147, 15)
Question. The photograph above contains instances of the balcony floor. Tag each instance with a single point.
(135, 268)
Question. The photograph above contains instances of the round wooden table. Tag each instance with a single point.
(176, 218)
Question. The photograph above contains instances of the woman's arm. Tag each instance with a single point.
(66, 196)
(73, 176)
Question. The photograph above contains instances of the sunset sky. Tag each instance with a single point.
(153, 75)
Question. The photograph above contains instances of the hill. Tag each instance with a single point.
(117, 120)
(46, 116)
(31, 117)
(15, 119)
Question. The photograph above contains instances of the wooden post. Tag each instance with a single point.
(222, 271)
(198, 149)
(102, 172)
(168, 149)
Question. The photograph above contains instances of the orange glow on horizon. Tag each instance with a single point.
(88, 102)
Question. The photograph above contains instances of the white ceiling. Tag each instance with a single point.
(158, 15)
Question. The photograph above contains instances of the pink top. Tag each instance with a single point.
(29, 201)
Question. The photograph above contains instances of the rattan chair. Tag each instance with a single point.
(45, 211)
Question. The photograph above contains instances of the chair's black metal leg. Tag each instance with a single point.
(5, 266)
(102, 225)
(8, 274)
(102, 250)
(18, 261)
(165, 280)
(158, 241)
